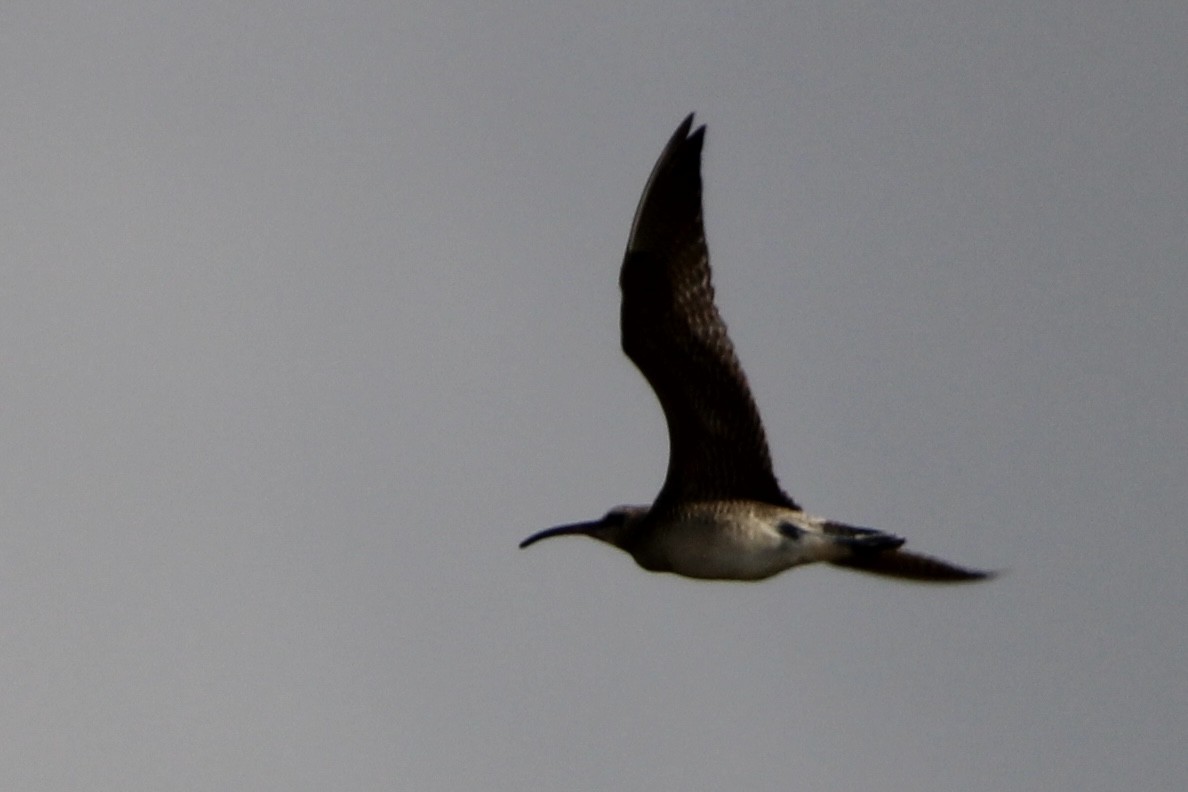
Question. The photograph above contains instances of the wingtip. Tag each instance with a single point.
(681, 155)
(696, 133)
(915, 567)
(684, 134)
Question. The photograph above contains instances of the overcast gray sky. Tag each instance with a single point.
(309, 313)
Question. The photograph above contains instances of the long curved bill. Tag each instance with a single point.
(582, 528)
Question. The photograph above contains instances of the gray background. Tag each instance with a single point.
(308, 314)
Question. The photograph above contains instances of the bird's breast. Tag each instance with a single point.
(721, 544)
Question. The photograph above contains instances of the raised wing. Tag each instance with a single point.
(673, 333)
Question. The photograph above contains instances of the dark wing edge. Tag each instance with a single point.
(675, 336)
(915, 567)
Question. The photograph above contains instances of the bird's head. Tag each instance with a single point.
(612, 528)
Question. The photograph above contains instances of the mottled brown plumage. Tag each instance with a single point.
(672, 331)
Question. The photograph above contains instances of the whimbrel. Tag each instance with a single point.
(720, 514)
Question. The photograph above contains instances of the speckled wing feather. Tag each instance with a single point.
(673, 333)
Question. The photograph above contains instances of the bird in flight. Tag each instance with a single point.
(721, 514)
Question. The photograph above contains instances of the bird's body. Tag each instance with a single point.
(721, 514)
(739, 540)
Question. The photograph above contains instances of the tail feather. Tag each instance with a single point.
(860, 540)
